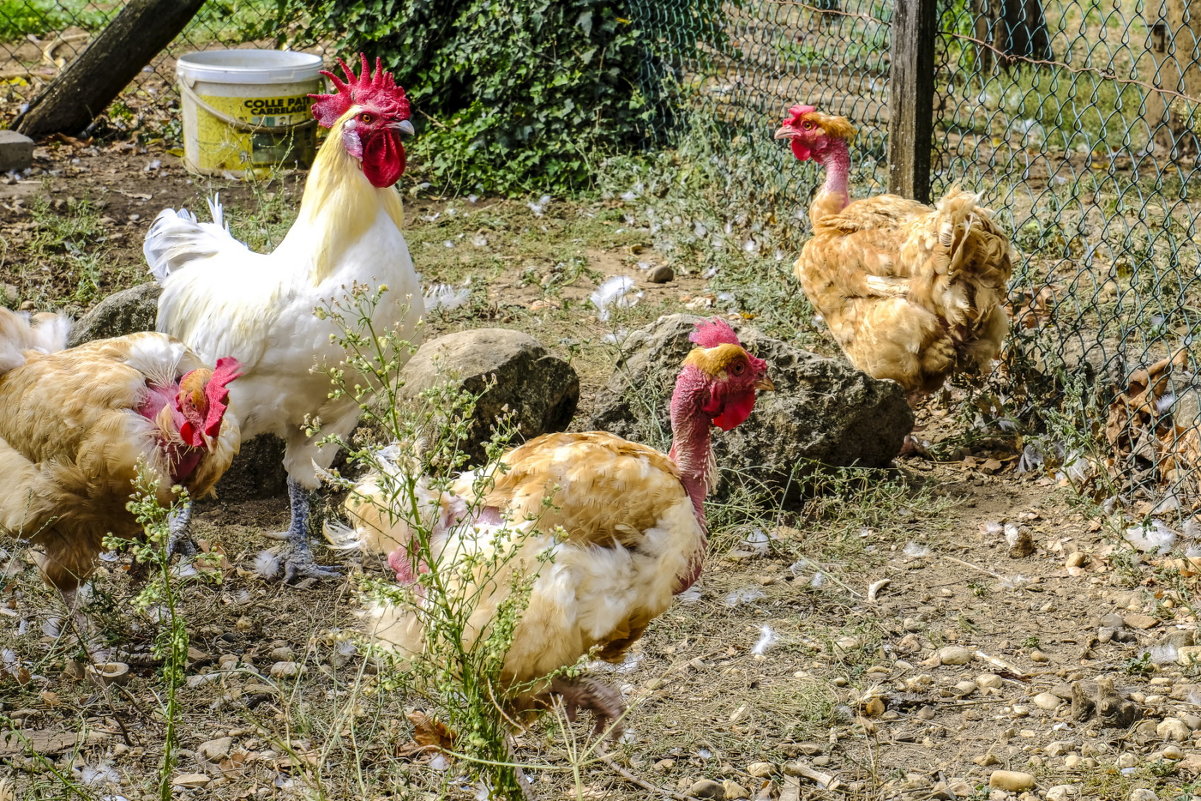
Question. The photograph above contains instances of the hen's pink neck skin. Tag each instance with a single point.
(690, 435)
(182, 460)
(836, 158)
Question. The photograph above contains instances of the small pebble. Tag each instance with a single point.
(1173, 752)
(1059, 748)
(227, 661)
(707, 788)
(734, 790)
(283, 654)
(664, 765)
(284, 670)
(988, 681)
(1062, 792)
(1011, 780)
(1141, 621)
(1173, 729)
(215, 750)
(661, 274)
(1045, 701)
(984, 760)
(1038, 656)
(1143, 794)
(190, 780)
(1126, 760)
(955, 655)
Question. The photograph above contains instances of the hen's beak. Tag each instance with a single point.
(764, 384)
(786, 132)
(405, 127)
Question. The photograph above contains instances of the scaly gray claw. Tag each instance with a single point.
(301, 565)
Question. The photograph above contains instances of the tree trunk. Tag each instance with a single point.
(1015, 28)
(110, 62)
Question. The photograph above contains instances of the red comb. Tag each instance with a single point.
(217, 393)
(713, 332)
(796, 113)
(377, 88)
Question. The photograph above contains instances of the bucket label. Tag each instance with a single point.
(271, 132)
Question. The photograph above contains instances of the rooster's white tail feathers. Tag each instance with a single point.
(45, 333)
(177, 238)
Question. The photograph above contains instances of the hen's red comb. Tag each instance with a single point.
(217, 393)
(713, 332)
(377, 88)
(796, 113)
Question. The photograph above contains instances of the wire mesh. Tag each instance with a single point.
(1077, 122)
(39, 37)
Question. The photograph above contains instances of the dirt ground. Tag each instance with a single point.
(890, 641)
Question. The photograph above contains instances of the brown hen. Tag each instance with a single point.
(911, 293)
(624, 531)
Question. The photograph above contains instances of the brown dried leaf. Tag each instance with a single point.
(430, 733)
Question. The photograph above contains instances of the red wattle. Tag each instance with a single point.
(383, 158)
(189, 434)
(735, 410)
(800, 151)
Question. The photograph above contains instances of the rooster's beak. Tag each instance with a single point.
(786, 132)
(405, 127)
(764, 384)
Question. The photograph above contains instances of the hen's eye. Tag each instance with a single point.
(739, 368)
(366, 117)
(808, 126)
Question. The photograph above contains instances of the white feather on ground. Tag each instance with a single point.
(616, 291)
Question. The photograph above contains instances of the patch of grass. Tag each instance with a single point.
(70, 260)
(20, 18)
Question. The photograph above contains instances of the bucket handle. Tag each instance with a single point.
(237, 124)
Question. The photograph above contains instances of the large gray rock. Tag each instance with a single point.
(539, 391)
(125, 312)
(823, 410)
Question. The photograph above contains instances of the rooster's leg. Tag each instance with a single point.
(179, 541)
(298, 558)
(605, 703)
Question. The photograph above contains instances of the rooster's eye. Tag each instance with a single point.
(366, 118)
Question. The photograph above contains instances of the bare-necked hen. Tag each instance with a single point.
(910, 292)
(74, 425)
(221, 298)
(623, 531)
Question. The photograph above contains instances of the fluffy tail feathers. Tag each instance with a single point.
(177, 238)
(19, 333)
(973, 242)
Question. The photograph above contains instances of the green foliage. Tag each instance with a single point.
(458, 669)
(520, 96)
(37, 17)
(161, 592)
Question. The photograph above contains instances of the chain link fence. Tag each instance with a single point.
(39, 37)
(1085, 144)
(1076, 121)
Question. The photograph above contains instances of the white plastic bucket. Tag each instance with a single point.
(245, 110)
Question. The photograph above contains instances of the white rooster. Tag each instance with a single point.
(223, 299)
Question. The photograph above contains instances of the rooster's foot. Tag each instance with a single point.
(298, 564)
(605, 703)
